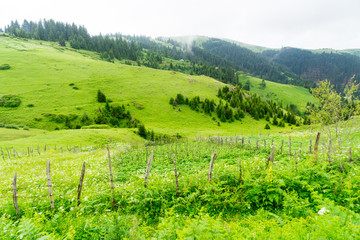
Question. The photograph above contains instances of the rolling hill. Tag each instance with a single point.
(52, 80)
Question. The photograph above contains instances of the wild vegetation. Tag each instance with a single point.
(121, 149)
(289, 195)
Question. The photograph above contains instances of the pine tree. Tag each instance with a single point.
(101, 97)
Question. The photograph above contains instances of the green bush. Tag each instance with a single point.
(267, 126)
(98, 126)
(5, 67)
(12, 126)
(10, 101)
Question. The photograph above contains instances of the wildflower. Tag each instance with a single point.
(322, 211)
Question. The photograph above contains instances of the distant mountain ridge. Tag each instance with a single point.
(286, 65)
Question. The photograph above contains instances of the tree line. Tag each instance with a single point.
(78, 37)
(235, 102)
(337, 68)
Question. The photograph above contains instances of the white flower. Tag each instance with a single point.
(322, 211)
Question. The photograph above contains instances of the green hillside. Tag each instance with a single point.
(287, 94)
(53, 80)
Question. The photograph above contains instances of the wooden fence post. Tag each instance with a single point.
(81, 183)
(2, 153)
(272, 153)
(213, 157)
(49, 185)
(329, 151)
(8, 152)
(240, 172)
(15, 197)
(350, 155)
(289, 145)
(148, 168)
(176, 176)
(316, 147)
(310, 145)
(111, 177)
(281, 148)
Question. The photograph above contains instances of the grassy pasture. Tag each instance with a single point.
(44, 75)
(288, 94)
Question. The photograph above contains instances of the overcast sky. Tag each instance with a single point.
(270, 23)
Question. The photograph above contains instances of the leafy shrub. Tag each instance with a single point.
(10, 101)
(12, 126)
(267, 126)
(72, 84)
(75, 88)
(5, 67)
(97, 126)
(30, 105)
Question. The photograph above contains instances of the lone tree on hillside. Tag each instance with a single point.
(336, 112)
(101, 97)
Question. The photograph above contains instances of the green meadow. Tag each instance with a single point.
(287, 94)
(61, 81)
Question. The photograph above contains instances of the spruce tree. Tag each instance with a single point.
(101, 97)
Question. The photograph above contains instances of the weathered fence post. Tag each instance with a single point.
(176, 176)
(111, 177)
(2, 153)
(213, 157)
(316, 148)
(272, 153)
(49, 185)
(281, 148)
(350, 155)
(329, 150)
(81, 183)
(15, 197)
(310, 145)
(8, 152)
(148, 168)
(289, 145)
(240, 172)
